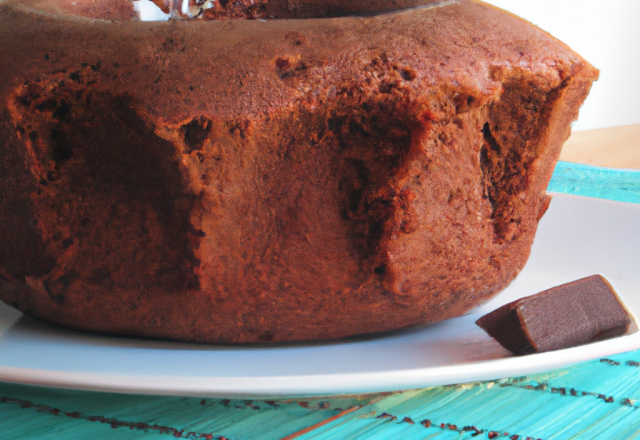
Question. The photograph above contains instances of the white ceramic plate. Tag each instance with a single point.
(577, 237)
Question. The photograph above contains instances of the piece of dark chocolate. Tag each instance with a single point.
(571, 314)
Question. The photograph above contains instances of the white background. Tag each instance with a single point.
(605, 33)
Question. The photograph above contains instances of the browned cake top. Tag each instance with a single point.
(247, 67)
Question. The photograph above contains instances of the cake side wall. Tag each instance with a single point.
(268, 260)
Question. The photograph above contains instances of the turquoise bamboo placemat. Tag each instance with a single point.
(603, 183)
(597, 399)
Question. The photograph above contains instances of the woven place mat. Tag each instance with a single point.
(597, 399)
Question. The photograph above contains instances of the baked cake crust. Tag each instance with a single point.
(251, 181)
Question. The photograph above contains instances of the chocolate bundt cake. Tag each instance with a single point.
(257, 174)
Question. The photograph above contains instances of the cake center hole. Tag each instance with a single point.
(160, 10)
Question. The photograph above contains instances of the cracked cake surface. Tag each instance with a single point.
(243, 181)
